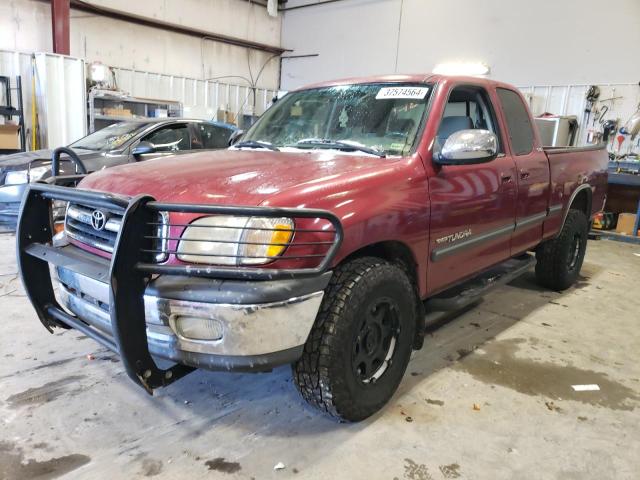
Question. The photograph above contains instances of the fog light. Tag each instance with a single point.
(198, 328)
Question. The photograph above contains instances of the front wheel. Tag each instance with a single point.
(559, 260)
(360, 344)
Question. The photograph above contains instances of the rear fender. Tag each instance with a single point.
(581, 199)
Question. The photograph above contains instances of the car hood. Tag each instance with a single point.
(236, 177)
(22, 159)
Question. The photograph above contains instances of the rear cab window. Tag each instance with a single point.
(518, 121)
(213, 136)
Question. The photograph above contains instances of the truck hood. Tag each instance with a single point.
(17, 161)
(236, 177)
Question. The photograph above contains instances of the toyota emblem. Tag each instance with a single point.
(98, 220)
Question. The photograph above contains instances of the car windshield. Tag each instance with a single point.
(372, 118)
(110, 137)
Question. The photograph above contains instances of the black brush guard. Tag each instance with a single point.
(130, 270)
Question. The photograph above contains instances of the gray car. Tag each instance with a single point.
(124, 142)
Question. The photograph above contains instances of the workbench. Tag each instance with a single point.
(623, 195)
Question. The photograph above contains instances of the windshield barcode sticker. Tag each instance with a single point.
(402, 92)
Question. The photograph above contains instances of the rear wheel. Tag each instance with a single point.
(559, 260)
(360, 344)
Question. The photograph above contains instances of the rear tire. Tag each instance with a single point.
(559, 260)
(360, 344)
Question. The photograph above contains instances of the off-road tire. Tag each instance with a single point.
(324, 374)
(558, 263)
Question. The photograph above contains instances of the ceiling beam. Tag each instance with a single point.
(171, 27)
(60, 26)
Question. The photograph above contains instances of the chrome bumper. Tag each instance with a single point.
(253, 336)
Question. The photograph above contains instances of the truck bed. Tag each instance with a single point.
(586, 148)
(570, 168)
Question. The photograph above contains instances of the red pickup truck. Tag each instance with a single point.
(348, 218)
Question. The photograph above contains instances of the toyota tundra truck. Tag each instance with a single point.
(352, 216)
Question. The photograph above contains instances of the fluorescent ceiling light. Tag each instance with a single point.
(462, 68)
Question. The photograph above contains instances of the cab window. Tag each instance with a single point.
(518, 122)
(171, 138)
(467, 108)
(213, 136)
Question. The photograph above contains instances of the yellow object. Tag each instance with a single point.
(597, 222)
(34, 112)
(282, 234)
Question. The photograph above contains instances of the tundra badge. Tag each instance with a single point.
(454, 237)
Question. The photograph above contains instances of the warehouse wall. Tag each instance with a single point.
(25, 25)
(60, 99)
(544, 42)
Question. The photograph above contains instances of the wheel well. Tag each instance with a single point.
(582, 202)
(392, 251)
(400, 254)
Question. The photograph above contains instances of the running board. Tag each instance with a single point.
(463, 295)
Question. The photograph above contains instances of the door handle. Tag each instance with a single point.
(505, 177)
(524, 174)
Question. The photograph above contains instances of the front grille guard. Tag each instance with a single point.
(130, 269)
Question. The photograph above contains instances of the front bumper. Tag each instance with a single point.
(263, 324)
(134, 306)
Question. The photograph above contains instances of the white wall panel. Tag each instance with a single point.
(352, 38)
(200, 99)
(61, 99)
(25, 25)
(59, 94)
(544, 42)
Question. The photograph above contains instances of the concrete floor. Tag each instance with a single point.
(515, 356)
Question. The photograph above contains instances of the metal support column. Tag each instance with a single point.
(60, 26)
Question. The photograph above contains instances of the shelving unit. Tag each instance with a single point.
(110, 106)
(8, 111)
(623, 196)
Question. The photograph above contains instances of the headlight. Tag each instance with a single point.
(16, 178)
(226, 240)
(19, 177)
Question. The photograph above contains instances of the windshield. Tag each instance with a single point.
(110, 137)
(383, 118)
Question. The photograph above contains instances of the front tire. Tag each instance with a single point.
(559, 260)
(360, 344)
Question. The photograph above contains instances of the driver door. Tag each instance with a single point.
(167, 140)
(472, 206)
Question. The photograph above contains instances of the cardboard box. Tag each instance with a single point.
(626, 222)
(9, 138)
(225, 116)
(117, 112)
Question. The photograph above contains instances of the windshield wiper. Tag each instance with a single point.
(256, 144)
(339, 145)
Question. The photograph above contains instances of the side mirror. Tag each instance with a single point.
(466, 147)
(235, 136)
(143, 148)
